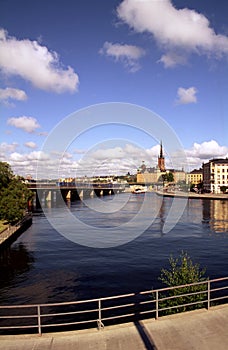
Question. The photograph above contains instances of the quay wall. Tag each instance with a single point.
(11, 233)
(193, 195)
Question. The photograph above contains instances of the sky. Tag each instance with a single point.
(60, 59)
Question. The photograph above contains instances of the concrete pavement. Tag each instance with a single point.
(195, 330)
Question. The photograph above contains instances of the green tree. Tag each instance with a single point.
(14, 195)
(6, 174)
(168, 177)
(223, 189)
(183, 271)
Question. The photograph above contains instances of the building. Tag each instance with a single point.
(149, 175)
(215, 175)
(179, 175)
(194, 177)
(152, 175)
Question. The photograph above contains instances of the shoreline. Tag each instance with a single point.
(193, 195)
(12, 232)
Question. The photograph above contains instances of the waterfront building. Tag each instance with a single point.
(194, 177)
(155, 174)
(215, 175)
(152, 175)
(179, 175)
(149, 175)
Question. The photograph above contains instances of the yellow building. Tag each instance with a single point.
(149, 177)
(195, 177)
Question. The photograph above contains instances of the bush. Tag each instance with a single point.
(182, 271)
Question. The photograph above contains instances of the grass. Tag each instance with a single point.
(3, 225)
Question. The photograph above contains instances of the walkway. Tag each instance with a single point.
(195, 330)
(193, 195)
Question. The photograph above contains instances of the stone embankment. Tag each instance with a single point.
(193, 195)
(12, 232)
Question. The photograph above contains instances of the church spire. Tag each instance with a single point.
(161, 159)
(161, 150)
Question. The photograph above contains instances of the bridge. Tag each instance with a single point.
(50, 191)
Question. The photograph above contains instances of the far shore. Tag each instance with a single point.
(193, 195)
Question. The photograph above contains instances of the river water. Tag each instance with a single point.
(43, 266)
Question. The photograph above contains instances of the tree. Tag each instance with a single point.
(183, 271)
(6, 174)
(223, 189)
(168, 176)
(14, 195)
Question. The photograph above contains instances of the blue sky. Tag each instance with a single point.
(59, 57)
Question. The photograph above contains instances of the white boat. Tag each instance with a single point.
(139, 189)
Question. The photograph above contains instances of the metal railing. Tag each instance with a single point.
(11, 230)
(151, 303)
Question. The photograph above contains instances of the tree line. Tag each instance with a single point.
(14, 195)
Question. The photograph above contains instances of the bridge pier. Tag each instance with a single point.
(48, 196)
(68, 195)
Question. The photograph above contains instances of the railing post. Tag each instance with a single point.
(39, 320)
(99, 322)
(208, 294)
(156, 292)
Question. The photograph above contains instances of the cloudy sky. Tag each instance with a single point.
(60, 57)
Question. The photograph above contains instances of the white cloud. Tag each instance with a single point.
(30, 144)
(207, 150)
(36, 64)
(116, 160)
(173, 29)
(200, 153)
(28, 124)
(18, 157)
(186, 96)
(171, 59)
(8, 147)
(13, 94)
(38, 156)
(127, 54)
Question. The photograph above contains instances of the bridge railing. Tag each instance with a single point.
(74, 185)
(114, 309)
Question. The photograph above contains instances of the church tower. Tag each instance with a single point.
(161, 159)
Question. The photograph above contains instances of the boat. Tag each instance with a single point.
(139, 189)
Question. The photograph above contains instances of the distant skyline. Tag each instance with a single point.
(56, 58)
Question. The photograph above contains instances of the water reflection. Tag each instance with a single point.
(42, 266)
(14, 260)
(215, 214)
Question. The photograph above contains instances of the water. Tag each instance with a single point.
(42, 266)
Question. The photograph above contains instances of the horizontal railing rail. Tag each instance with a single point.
(150, 303)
